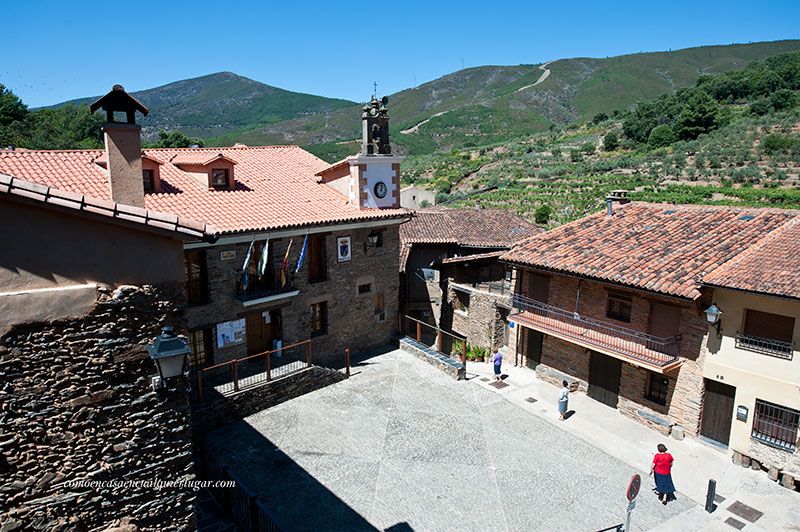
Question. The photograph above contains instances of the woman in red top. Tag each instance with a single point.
(662, 469)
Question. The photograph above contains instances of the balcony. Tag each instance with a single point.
(500, 287)
(266, 289)
(641, 349)
(765, 346)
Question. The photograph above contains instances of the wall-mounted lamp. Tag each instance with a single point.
(713, 316)
(169, 352)
(373, 239)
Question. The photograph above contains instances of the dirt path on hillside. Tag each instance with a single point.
(544, 76)
(416, 128)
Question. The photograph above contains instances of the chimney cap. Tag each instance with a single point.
(118, 100)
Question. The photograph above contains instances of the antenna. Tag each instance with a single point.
(374, 89)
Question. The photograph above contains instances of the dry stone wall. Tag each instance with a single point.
(76, 403)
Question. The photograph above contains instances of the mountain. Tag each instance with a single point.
(489, 104)
(219, 103)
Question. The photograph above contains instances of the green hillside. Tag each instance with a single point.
(216, 104)
(732, 138)
(491, 104)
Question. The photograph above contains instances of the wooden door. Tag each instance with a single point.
(718, 404)
(665, 320)
(604, 377)
(259, 327)
(538, 287)
(532, 344)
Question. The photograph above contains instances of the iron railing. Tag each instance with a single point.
(269, 285)
(234, 375)
(425, 333)
(765, 346)
(775, 425)
(622, 340)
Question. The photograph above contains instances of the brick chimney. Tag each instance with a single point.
(123, 142)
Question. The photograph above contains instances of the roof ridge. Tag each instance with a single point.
(273, 146)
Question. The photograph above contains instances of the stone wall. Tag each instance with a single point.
(353, 320)
(442, 362)
(76, 404)
(685, 389)
(217, 410)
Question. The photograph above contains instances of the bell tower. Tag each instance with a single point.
(370, 179)
(123, 142)
(375, 128)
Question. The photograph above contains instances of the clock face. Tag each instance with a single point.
(380, 189)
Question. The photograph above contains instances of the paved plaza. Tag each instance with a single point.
(401, 446)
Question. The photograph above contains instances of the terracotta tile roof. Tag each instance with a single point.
(198, 157)
(480, 228)
(276, 186)
(96, 206)
(661, 248)
(770, 267)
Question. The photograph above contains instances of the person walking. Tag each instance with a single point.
(563, 400)
(662, 469)
(497, 359)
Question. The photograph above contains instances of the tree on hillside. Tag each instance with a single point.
(175, 139)
(542, 214)
(611, 141)
(697, 117)
(599, 117)
(783, 99)
(13, 115)
(65, 127)
(661, 136)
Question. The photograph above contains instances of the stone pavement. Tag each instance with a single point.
(402, 446)
(634, 444)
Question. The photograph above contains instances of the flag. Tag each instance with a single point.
(245, 276)
(285, 264)
(302, 255)
(262, 262)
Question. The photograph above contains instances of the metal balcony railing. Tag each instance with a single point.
(629, 343)
(267, 286)
(765, 346)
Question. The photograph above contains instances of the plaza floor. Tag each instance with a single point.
(401, 446)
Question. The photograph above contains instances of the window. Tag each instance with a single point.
(619, 307)
(364, 288)
(657, 388)
(461, 301)
(202, 348)
(770, 334)
(219, 178)
(775, 425)
(196, 277)
(379, 303)
(317, 259)
(319, 318)
(149, 180)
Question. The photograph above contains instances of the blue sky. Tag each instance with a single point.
(58, 50)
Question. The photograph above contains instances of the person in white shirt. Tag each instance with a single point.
(563, 400)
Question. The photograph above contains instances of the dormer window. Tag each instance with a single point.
(149, 180)
(219, 179)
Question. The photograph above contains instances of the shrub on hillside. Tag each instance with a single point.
(611, 141)
(661, 136)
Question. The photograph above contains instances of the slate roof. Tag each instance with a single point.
(275, 187)
(126, 213)
(772, 266)
(478, 228)
(668, 249)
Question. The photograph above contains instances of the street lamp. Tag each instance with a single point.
(372, 239)
(169, 352)
(713, 314)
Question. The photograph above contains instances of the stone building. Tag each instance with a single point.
(248, 291)
(85, 283)
(451, 274)
(615, 303)
(417, 198)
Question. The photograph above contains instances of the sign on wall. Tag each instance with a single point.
(230, 333)
(227, 255)
(741, 413)
(343, 248)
